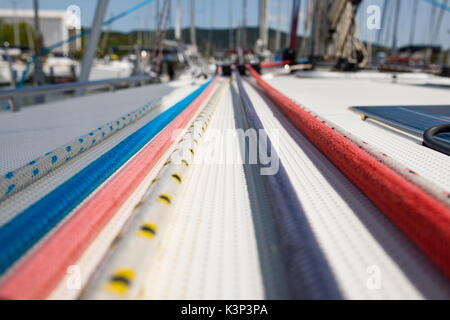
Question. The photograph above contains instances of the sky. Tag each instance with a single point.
(217, 14)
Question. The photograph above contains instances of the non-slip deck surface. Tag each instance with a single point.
(13, 205)
(210, 250)
(332, 99)
(353, 233)
(35, 130)
(220, 244)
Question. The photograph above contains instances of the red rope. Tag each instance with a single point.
(425, 220)
(269, 64)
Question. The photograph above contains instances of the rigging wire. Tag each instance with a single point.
(438, 4)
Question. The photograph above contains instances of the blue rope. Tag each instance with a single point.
(438, 4)
(306, 267)
(76, 36)
(27, 228)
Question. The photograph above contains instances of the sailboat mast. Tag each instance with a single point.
(432, 22)
(383, 21)
(209, 47)
(263, 25)
(308, 15)
(294, 24)
(394, 37)
(230, 30)
(278, 34)
(438, 28)
(388, 25)
(315, 28)
(193, 40)
(16, 25)
(178, 22)
(429, 51)
(244, 24)
(413, 22)
(238, 34)
(139, 33)
(157, 14)
(439, 21)
(38, 74)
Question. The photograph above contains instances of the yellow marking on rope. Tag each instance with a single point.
(192, 151)
(120, 281)
(164, 198)
(196, 142)
(177, 177)
(167, 163)
(185, 163)
(155, 180)
(147, 230)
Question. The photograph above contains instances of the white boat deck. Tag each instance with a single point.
(220, 244)
(32, 138)
(332, 99)
(353, 233)
(37, 129)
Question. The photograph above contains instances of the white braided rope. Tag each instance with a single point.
(21, 177)
(125, 267)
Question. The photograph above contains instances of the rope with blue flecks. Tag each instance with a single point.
(21, 177)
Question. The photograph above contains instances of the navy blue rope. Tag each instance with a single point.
(24, 230)
(307, 269)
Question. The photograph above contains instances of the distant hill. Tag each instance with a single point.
(220, 38)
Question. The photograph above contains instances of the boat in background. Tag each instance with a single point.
(17, 65)
(60, 68)
(111, 67)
